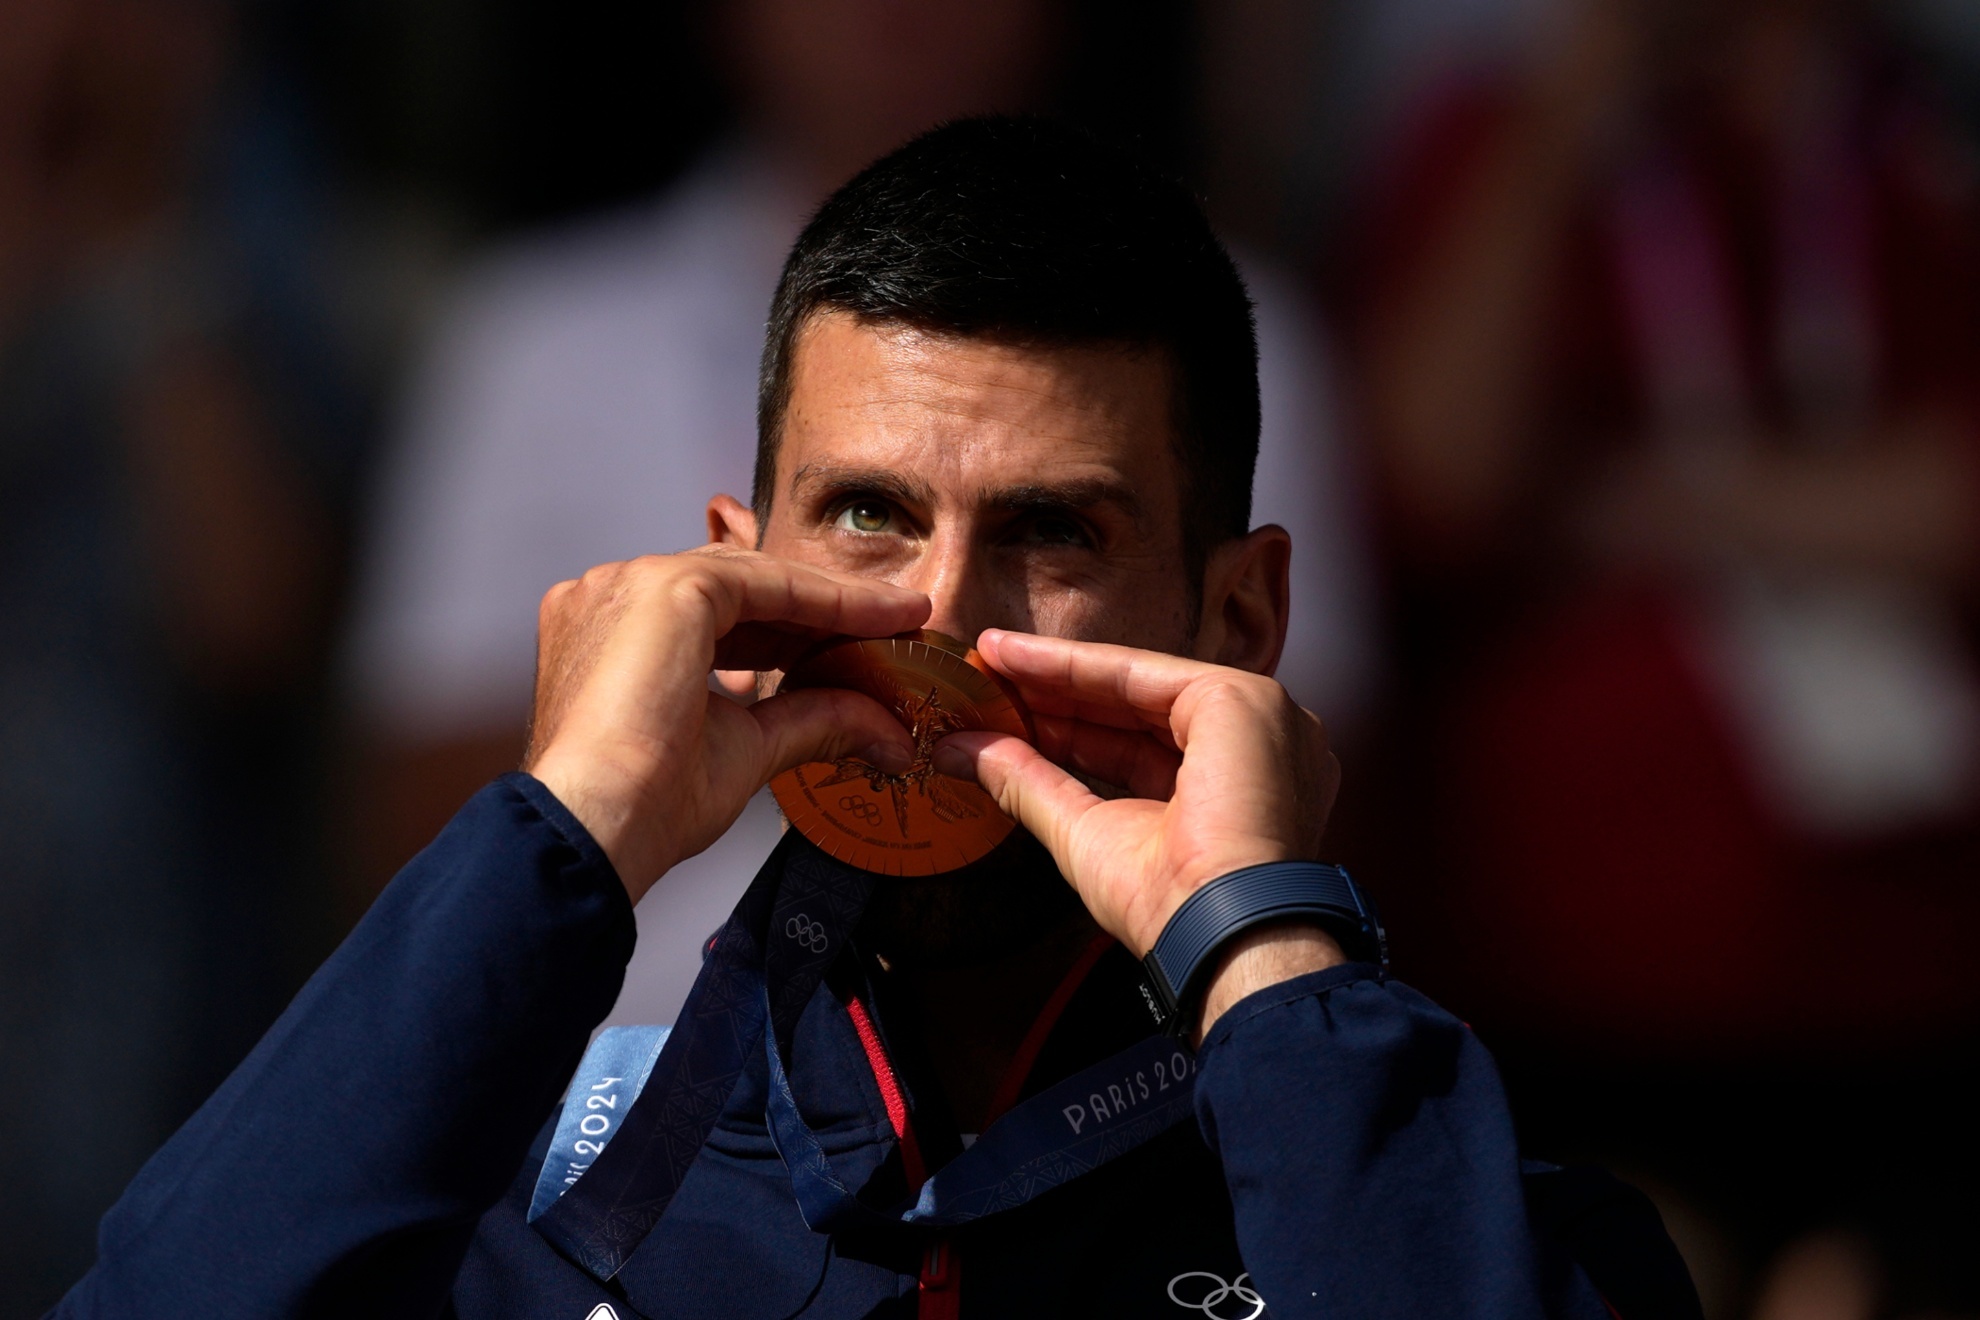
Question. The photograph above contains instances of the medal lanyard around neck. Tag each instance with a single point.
(763, 969)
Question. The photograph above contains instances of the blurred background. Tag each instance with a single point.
(1621, 373)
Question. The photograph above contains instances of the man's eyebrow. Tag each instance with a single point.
(1045, 497)
(832, 478)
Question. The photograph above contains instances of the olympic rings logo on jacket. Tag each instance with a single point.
(1212, 1296)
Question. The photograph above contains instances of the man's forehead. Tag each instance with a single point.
(1087, 422)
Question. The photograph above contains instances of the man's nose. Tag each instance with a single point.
(962, 582)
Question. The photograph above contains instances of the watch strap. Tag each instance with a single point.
(1226, 907)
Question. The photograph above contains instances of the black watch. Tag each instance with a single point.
(1210, 918)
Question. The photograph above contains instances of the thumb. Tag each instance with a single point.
(824, 724)
(1040, 796)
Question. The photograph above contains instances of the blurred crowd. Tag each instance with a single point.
(1621, 389)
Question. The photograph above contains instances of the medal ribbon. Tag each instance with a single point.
(762, 970)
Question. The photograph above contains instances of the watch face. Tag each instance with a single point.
(918, 822)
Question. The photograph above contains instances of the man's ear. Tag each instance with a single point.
(731, 522)
(1247, 600)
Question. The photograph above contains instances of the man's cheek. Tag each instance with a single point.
(1151, 615)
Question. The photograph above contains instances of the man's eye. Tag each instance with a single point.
(865, 516)
(1057, 531)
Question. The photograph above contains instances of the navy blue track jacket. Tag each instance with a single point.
(375, 1155)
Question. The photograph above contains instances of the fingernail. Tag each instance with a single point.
(888, 756)
(955, 763)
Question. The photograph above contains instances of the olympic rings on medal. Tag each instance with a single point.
(809, 933)
(860, 807)
(1216, 1292)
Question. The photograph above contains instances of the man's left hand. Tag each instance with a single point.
(1224, 770)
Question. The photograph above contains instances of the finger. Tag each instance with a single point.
(1239, 709)
(1093, 681)
(1041, 701)
(1104, 684)
(1138, 761)
(1031, 790)
(824, 724)
(745, 587)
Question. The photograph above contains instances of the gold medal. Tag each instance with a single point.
(918, 822)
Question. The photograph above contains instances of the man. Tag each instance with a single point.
(589, 388)
(1008, 394)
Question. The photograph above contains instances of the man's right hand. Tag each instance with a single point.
(626, 731)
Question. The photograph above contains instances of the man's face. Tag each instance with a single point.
(1024, 488)
(1035, 489)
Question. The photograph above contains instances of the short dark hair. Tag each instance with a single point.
(1032, 231)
